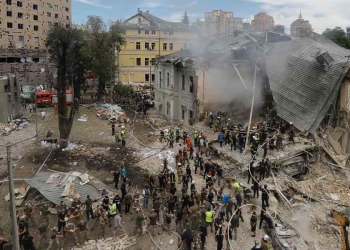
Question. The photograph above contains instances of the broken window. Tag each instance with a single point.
(9, 25)
(183, 82)
(165, 46)
(138, 45)
(9, 2)
(146, 61)
(9, 13)
(138, 61)
(19, 15)
(19, 3)
(191, 85)
(20, 26)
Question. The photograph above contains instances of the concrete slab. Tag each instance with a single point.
(335, 145)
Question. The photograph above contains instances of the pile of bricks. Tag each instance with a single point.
(112, 243)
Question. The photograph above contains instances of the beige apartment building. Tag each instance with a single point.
(300, 27)
(221, 23)
(263, 22)
(25, 23)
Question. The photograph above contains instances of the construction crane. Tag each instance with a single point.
(344, 222)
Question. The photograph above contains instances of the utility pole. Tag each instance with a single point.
(36, 119)
(150, 74)
(15, 237)
(251, 111)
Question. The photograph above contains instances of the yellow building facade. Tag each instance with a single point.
(149, 37)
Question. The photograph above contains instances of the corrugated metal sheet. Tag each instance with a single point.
(302, 88)
(52, 192)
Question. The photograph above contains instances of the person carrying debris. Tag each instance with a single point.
(123, 136)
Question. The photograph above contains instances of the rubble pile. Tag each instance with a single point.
(18, 124)
(110, 111)
(113, 243)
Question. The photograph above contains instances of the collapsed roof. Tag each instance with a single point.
(304, 74)
(65, 186)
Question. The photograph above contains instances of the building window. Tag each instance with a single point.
(146, 45)
(35, 6)
(36, 27)
(10, 38)
(171, 33)
(152, 77)
(153, 46)
(167, 108)
(147, 32)
(153, 61)
(36, 39)
(48, 14)
(165, 32)
(160, 79)
(183, 82)
(20, 26)
(21, 38)
(49, 5)
(146, 77)
(153, 32)
(9, 13)
(165, 46)
(35, 17)
(56, 15)
(183, 114)
(139, 32)
(171, 46)
(167, 79)
(50, 24)
(191, 114)
(9, 25)
(191, 85)
(139, 20)
(67, 17)
(9, 2)
(138, 45)
(146, 61)
(55, 7)
(67, 1)
(138, 61)
(19, 3)
(19, 15)
(67, 9)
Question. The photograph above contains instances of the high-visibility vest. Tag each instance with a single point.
(113, 209)
(208, 217)
(195, 134)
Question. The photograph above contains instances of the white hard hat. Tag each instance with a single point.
(179, 164)
(291, 123)
(266, 237)
(193, 182)
(123, 126)
(229, 119)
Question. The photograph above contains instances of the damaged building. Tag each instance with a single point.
(306, 79)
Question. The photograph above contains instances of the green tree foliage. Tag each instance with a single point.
(65, 45)
(104, 40)
(123, 90)
(338, 36)
(185, 19)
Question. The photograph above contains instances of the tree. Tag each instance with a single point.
(64, 45)
(185, 19)
(338, 36)
(104, 40)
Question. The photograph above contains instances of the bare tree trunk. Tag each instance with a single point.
(65, 118)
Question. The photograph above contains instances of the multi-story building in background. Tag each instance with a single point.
(263, 22)
(279, 28)
(221, 23)
(348, 31)
(149, 37)
(24, 24)
(300, 27)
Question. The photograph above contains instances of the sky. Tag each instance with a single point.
(322, 14)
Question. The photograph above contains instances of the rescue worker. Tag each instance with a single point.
(227, 136)
(179, 172)
(265, 196)
(113, 128)
(161, 136)
(233, 141)
(219, 113)
(152, 222)
(42, 229)
(266, 243)
(139, 220)
(83, 231)
(123, 136)
(209, 218)
(291, 132)
(171, 140)
(171, 132)
(54, 238)
(216, 125)
(177, 135)
(196, 136)
(203, 235)
(70, 229)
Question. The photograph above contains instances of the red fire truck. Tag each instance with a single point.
(46, 99)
